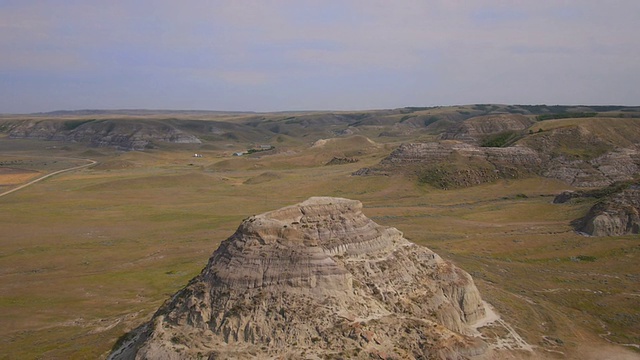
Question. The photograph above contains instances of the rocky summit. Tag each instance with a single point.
(316, 280)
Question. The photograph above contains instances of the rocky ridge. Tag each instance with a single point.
(122, 134)
(574, 155)
(475, 129)
(454, 164)
(313, 280)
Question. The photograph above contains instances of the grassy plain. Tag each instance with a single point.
(88, 255)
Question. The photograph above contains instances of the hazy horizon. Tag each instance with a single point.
(295, 111)
(277, 56)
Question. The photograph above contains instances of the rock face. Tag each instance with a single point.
(618, 215)
(593, 154)
(474, 130)
(341, 160)
(616, 165)
(123, 134)
(617, 211)
(313, 280)
(453, 164)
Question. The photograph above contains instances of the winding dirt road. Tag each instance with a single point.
(91, 162)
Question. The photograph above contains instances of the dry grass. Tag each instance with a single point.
(622, 132)
(88, 255)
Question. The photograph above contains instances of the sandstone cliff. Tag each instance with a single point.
(314, 280)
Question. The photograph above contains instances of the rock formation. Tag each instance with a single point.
(617, 215)
(584, 154)
(123, 134)
(616, 165)
(316, 280)
(341, 160)
(453, 164)
(617, 211)
(476, 129)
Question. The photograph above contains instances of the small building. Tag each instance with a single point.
(239, 153)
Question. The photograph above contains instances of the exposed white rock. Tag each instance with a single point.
(317, 278)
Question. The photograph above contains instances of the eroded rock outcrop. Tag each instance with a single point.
(477, 129)
(318, 278)
(454, 164)
(617, 215)
(616, 212)
(123, 134)
(592, 153)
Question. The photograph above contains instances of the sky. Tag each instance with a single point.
(284, 55)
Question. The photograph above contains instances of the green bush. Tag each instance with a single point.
(566, 115)
(72, 124)
(502, 139)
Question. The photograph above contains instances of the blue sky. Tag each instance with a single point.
(315, 55)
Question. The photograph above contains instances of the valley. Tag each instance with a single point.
(91, 253)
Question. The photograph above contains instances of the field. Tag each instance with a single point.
(89, 254)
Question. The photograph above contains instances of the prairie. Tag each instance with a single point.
(87, 255)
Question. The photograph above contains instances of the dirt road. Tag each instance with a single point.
(91, 162)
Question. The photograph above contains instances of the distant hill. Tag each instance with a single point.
(480, 124)
(583, 152)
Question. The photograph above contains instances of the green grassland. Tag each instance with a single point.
(87, 255)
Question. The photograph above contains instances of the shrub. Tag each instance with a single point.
(500, 140)
(566, 115)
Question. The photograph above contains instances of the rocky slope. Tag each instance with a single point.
(477, 129)
(453, 164)
(316, 280)
(617, 211)
(618, 215)
(592, 154)
(123, 134)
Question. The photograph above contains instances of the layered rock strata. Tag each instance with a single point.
(451, 164)
(616, 212)
(123, 134)
(314, 280)
(617, 215)
(475, 129)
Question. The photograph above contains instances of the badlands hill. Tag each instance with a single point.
(317, 280)
(144, 129)
(583, 152)
(73, 283)
(617, 211)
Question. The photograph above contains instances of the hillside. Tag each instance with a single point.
(140, 129)
(318, 278)
(90, 255)
(589, 152)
